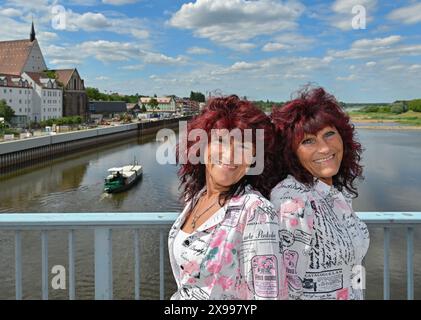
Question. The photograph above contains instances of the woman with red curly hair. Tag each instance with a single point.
(323, 240)
(225, 243)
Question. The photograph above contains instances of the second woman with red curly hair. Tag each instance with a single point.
(324, 242)
(225, 243)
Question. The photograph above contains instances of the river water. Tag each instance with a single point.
(392, 161)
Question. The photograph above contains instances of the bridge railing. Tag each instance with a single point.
(104, 223)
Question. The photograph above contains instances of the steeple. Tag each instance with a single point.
(32, 36)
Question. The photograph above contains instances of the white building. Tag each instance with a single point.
(165, 104)
(23, 84)
(17, 92)
(47, 97)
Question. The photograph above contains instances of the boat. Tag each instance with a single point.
(122, 178)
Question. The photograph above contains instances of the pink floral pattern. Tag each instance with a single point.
(218, 258)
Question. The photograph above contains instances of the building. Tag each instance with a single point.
(47, 96)
(17, 92)
(34, 92)
(18, 56)
(165, 104)
(186, 106)
(75, 99)
(108, 109)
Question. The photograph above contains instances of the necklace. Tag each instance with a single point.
(197, 216)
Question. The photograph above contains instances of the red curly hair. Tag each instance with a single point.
(312, 111)
(229, 113)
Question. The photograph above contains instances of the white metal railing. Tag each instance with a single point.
(104, 223)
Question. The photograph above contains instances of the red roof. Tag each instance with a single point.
(13, 55)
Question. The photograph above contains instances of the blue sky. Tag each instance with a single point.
(264, 49)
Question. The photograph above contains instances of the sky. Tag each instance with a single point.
(358, 50)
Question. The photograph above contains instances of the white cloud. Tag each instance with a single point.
(133, 67)
(415, 67)
(351, 77)
(371, 64)
(396, 67)
(100, 78)
(159, 58)
(233, 22)
(289, 42)
(90, 21)
(377, 42)
(274, 46)
(10, 12)
(110, 51)
(198, 50)
(408, 15)
(119, 2)
(378, 47)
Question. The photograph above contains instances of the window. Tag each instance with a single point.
(20, 109)
(10, 90)
(20, 101)
(10, 100)
(4, 90)
(20, 91)
(43, 93)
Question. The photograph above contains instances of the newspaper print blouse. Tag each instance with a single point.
(324, 242)
(235, 254)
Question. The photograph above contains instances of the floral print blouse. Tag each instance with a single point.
(324, 242)
(235, 254)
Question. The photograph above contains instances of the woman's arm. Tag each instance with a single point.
(296, 215)
(261, 261)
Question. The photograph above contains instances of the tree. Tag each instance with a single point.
(143, 109)
(153, 103)
(415, 105)
(6, 112)
(197, 96)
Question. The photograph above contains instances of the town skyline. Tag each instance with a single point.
(264, 50)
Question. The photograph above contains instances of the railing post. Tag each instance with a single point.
(71, 246)
(103, 264)
(410, 263)
(161, 265)
(18, 265)
(136, 265)
(386, 266)
(44, 264)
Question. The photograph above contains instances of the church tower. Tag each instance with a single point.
(32, 35)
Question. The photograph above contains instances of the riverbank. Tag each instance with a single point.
(19, 153)
(405, 121)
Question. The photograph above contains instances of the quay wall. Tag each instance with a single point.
(37, 149)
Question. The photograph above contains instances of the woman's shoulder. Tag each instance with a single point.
(290, 186)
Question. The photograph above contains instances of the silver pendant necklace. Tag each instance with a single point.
(197, 216)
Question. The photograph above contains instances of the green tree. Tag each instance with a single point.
(197, 96)
(153, 103)
(143, 109)
(93, 93)
(6, 111)
(398, 108)
(415, 105)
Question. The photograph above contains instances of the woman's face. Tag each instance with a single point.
(321, 154)
(227, 161)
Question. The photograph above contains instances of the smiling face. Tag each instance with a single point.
(321, 154)
(227, 162)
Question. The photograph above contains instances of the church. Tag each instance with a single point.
(33, 91)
